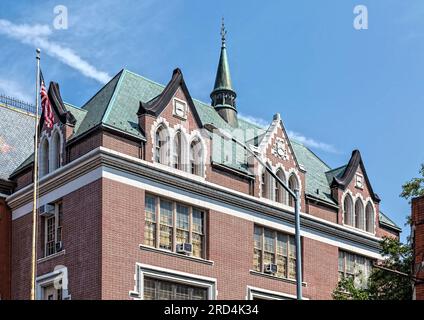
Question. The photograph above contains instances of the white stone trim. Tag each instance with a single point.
(255, 291)
(155, 126)
(155, 272)
(193, 199)
(358, 197)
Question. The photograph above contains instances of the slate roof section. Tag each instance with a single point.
(386, 221)
(16, 138)
(316, 179)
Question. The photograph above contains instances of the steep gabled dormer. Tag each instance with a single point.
(275, 148)
(52, 139)
(171, 124)
(351, 188)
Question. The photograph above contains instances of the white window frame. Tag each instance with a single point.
(253, 292)
(184, 103)
(56, 228)
(144, 270)
(359, 181)
(174, 224)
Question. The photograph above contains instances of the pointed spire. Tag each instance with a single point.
(223, 77)
(223, 95)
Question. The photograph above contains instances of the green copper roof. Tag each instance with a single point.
(387, 221)
(223, 77)
(316, 179)
(337, 172)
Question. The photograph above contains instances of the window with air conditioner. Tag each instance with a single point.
(174, 226)
(274, 253)
(52, 216)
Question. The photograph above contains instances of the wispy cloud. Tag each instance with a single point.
(38, 36)
(8, 86)
(257, 121)
(311, 143)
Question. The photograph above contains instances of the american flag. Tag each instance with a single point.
(45, 104)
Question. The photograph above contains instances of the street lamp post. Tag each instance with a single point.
(295, 194)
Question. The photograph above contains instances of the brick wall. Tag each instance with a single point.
(230, 247)
(418, 221)
(24, 179)
(5, 253)
(81, 243)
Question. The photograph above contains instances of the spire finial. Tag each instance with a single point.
(223, 32)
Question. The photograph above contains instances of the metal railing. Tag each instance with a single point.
(16, 103)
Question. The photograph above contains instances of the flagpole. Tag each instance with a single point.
(35, 184)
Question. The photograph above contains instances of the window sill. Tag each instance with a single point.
(174, 254)
(52, 256)
(256, 273)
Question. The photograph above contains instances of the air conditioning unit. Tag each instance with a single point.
(185, 248)
(47, 210)
(59, 246)
(271, 268)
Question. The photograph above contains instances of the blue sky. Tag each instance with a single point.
(336, 88)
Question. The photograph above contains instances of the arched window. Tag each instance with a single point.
(56, 151)
(348, 210)
(266, 182)
(196, 158)
(177, 152)
(293, 185)
(162, 146)
(369, 218)
(44, 158)
(280, 192)
(359, 214)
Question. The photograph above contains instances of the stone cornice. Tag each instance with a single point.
(118, 161)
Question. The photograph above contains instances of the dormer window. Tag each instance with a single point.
(56, 153)
(44, 157)
(162, 145)
(359, 181)
(180, 108)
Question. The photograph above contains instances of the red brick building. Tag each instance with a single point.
(418, 241)
(138, 201)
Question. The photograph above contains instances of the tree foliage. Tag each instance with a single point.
(414, 187)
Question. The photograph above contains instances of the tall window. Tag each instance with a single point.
(150, 221)
(196, 158)
(56, 151)
(348, 210)
(354, 266)
(369, 218)
(166, 225)
(359, 214)
(44, 158)
(177, 157)
(158, 289)
(280, 192)
(52, 221)
(273, 247)
(175, 223)
(162, 146)
(293, 185)
(266, 185)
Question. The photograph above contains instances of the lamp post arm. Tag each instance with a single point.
(281, 182)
